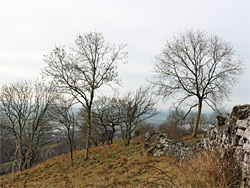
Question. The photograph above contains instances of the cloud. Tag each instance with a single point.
(31, 29)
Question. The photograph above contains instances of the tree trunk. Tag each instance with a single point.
(28, 152)
(194, 134)
(106, 135)
(128, 141)
(86, 157)
(128, 138)
(71, 148)
(15, 157)
(113, 133)
(71, 155)
(20, 154)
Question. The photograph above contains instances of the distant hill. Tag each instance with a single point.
(159, 118)
(162, 116)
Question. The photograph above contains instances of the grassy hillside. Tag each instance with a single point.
(119, 166)
(109, 165)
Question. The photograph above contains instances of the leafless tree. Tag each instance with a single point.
(175, 118)
(7, 143)
(25, 105)
(143, 128)
(136, 107)
(174, 125)
(107, 113)
(89, 64)
(44, 136)
(196, 68)
(97, 133)
(63, 113)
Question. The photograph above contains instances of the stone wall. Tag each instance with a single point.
(229, 133)
(232, 132)
(165, 146)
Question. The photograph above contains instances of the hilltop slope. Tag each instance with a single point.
(111, 165)
(120, 166)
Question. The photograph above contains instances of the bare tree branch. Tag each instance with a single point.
(90, 63)
(196, 64)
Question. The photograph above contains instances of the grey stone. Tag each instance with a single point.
(240, 132)
(232, 132)
(246, 146)
(147, 135)
(240, 143)
(243, 123)
(247, 133)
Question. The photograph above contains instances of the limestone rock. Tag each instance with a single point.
(240, 132)
(247, 133)
(231, 132)
(243, 123)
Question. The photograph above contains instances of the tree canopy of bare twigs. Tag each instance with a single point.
(107, 113)
(136, 107)
(196, 68)
(62, 112)
(89, 64)
(25, 106)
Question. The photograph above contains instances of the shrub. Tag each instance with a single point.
(173, 131)
(143, 128)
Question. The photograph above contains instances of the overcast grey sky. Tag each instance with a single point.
(31, 28)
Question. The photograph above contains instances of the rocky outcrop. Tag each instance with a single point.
(229, 133)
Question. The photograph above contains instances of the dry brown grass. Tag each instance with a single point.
(109, 166)
(120, 166)
(206, 169)
(211, 169)
(189, 139)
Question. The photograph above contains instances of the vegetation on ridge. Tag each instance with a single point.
(117, 165)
